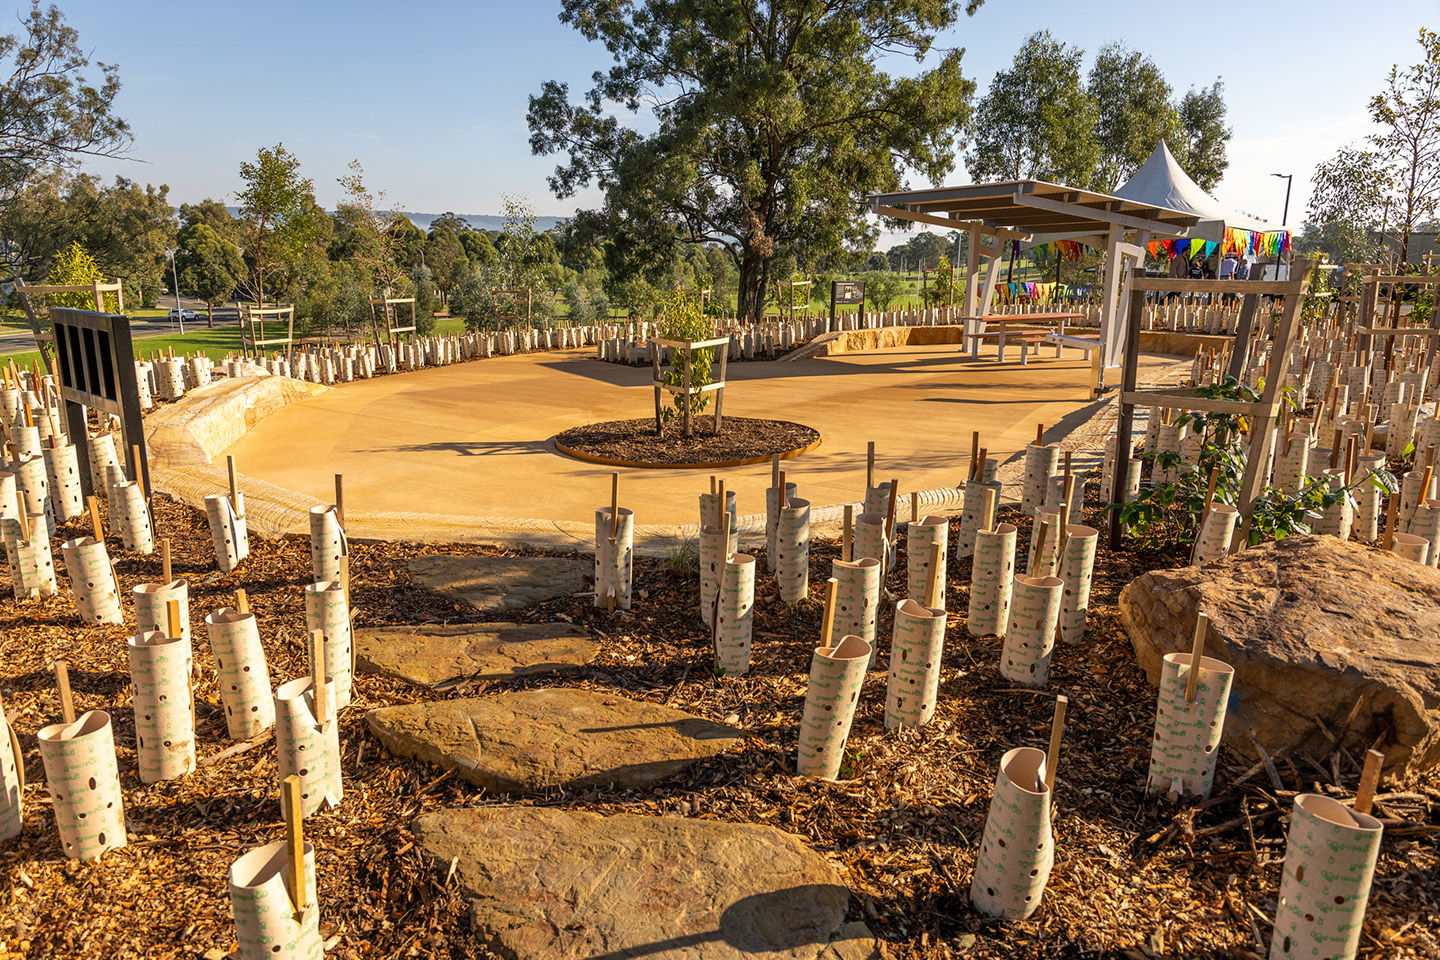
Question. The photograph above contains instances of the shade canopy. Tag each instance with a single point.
(1161, 182)
(1034, 207)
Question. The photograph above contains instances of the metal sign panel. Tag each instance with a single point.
(847, 293)
(95, 367)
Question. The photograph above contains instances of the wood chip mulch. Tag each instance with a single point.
(1134, 876)
(636, 442)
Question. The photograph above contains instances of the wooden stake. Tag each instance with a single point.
(980, 466)
(614, 506)
(712, 484)
(1425, 478)
(230, 468)
(869, 466)
(1197, 650)
(1392, 508)
(294, 839)
(827, 626)
(937, 576)
(339, 499)
(95, 519)
(165, 571)
(62, 682)
(890, 521)
(775, 472)
(1350, 457)
(1057, 731)
(847, 539)
(172, 618)
(988, 509)
(139, 473)
(781, 497)
(1369, 781)
(1043, 530)
(1039, 434)
(317, 676)
(914, 507)
(1335, 450)
(242, 601)
(974, 452)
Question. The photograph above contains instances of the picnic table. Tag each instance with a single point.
(1026, 338)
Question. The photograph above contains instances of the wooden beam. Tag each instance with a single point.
(1091, 213)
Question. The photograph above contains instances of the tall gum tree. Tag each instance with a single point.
(772, 121)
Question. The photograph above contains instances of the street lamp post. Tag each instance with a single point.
(1284, 216)
(175, 275)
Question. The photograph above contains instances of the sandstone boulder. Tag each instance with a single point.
(433, 655)
(534, 740)
(547, 883)
(499, 584)
(1317, 629)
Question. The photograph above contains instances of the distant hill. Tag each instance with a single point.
(480, 221)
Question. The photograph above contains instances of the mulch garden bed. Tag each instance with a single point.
(634, 442)
(1134, 876)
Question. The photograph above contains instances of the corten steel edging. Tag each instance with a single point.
(748, 461)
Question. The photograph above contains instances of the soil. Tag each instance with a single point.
(635, 443)
(1135, 876)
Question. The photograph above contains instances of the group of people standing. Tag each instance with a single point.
(1232, 267)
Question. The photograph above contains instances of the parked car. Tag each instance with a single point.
(184, 316)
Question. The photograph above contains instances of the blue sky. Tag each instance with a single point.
(431, 96)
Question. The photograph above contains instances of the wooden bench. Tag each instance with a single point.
(1026, 339)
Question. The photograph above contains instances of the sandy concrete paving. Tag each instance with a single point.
(473, 439)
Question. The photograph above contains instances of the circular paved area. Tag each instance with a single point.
(473, 439)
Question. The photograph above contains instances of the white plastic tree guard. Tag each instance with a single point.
(132, 517)
(916, 649)
(32, 569)
(92, 580)
(12, 782)
(922, 535)
(306, 747)
(1325, 884)
(33, 487)
(266, 923)
(836, 675)
(614, 557)
(857, 601)
(327, 609)
(1411, 547)
(1016, 849)
(1077, 568)
(164, 724)
(1041, 462)
(870, 539)
(792, 550)
(227, 530)
(1187, 733)
(1030, 634)
(328, 546)
(772, 520)
(62, 470)
(982, 502)
(244, 675)
(1216, 531)
(84, 783)
(991, 575)
(736, 613)
(152, 603)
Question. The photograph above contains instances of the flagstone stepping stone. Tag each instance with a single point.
(548, 883)
(534, 740)
(497, 584)
(482, 651)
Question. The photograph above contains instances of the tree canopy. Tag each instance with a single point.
(53, 113)
(771, 124)
(279, 218)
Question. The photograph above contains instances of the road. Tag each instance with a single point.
(20, 341)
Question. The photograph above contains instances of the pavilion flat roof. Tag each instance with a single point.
(1030, 206)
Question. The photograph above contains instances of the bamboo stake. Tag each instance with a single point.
(1197, 650)
(827, 626)
(242, 601)
(317, 676)
(62, 683)
(1057, 731)
(869, 465)
(95, 519)
(1369, 782)
(165, 571)
(848, 536)
(932, 587)
(294, 840)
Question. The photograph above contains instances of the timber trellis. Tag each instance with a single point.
(686, 390)
(42, 340)
(255, 342)
(1262, 414)
(390, 307)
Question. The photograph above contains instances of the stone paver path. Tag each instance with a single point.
(433, 655)
(566, 885)
(533, 740)
(497, 584)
